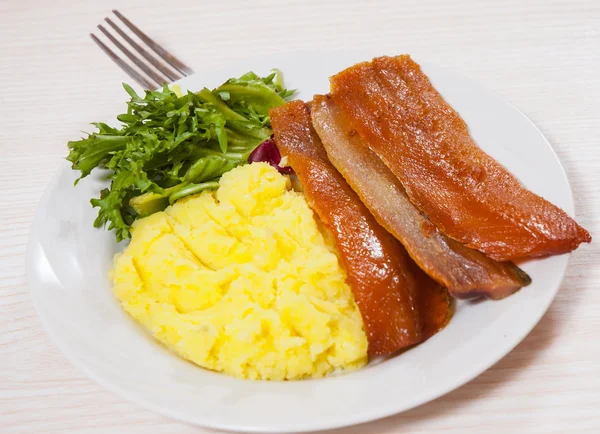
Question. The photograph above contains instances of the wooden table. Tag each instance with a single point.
(543, 56)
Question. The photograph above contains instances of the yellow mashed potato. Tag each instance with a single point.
(242, 281)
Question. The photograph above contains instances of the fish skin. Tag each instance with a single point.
(465, 193)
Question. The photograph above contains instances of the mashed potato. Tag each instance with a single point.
(242, 281)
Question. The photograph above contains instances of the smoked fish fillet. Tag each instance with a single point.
(384, 280)
(467, 273)
(463, 191)
(434, 304)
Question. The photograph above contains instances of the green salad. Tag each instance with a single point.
(170, 145)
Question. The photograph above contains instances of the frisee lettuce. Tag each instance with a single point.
(171, 145)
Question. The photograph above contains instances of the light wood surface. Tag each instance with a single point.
(543, 56)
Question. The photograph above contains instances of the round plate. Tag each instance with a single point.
(68, 263)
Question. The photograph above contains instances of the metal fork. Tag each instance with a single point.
(156, 73)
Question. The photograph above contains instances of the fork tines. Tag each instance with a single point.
(152, 73)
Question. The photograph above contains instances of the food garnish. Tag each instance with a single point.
(169, 146)
(463, 191)
(268, 152)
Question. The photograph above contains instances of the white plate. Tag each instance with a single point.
(68, 261)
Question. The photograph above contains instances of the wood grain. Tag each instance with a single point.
(543, 56)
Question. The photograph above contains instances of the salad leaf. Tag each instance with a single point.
(253, 96)
(171, 145)
(268, 152)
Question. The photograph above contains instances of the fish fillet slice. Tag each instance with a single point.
(463, 191)
(382, 276)
(465, 272)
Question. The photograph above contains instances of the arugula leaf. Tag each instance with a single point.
(171, 145)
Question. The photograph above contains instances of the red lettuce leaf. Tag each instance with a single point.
(268, 152)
